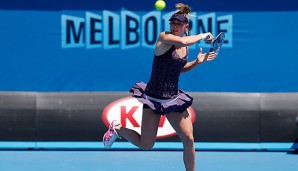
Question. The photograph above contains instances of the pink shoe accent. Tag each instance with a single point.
(111, 135)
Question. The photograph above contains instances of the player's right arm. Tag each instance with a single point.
(169, 38)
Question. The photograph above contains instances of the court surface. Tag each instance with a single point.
(129, 160)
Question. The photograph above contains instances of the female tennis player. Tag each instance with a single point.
(161, 96)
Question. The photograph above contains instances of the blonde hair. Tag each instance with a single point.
(182, 9)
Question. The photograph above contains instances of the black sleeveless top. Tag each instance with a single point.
(166, 69)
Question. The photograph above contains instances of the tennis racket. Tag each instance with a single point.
(217, 42)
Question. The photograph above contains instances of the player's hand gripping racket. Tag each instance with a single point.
(217, 42)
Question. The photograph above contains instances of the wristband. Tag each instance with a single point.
(204, 36)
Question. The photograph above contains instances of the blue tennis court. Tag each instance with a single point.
(163, 157)
(92, 160)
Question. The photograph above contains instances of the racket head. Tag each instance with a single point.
(217, 42)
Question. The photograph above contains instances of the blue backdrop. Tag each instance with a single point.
(100, 46)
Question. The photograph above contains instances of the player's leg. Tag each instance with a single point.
(182, 124)
(149, 127)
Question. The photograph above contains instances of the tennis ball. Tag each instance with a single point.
(160, 5)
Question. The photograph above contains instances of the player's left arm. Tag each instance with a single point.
(201, 58)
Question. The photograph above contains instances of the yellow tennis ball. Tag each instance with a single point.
(160, 4)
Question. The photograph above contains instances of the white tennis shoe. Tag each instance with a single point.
(111, 135)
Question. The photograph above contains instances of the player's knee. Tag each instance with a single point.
(188, 140)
